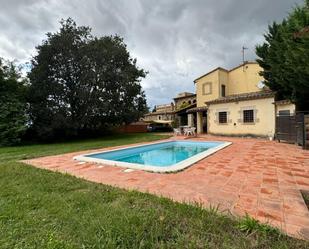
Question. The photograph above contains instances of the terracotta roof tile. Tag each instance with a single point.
(197, 109)
(243, 97)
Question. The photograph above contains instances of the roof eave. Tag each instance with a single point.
(241, 98)
(212, 71)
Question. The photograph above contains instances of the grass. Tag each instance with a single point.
(43, 209)
(250, 225)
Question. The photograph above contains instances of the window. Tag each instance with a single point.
(207, 88)
(248, 116)
(284, 113)
(222, 117)
(222, 90)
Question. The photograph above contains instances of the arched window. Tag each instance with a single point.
(189, 102)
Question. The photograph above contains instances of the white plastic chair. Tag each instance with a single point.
(186, 131)
(177, 132)
(190, 131)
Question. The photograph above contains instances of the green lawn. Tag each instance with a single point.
(42, 209)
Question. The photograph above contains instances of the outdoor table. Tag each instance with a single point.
(181, 127)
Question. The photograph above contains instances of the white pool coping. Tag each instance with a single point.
(163, 169)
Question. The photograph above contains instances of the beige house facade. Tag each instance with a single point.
(284, 108)
(236, 103)
(226, 102)
(254, 116)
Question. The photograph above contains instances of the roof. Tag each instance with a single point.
(159, 113)
(246, 63)
(243, 97)
(197, 109)
(223, 69)
(185, 108)
(283, 102)
(188, 96)
(218, 68)
(182, 94)
(164, 105)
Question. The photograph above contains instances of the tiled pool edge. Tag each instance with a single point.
(175, 168)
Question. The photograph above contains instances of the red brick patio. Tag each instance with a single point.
(254, 176)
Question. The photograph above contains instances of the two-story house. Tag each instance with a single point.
(236, 102)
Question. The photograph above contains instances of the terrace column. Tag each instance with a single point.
(190, 120)
(199, 122)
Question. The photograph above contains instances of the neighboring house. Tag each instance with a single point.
(176, 111)
(183, 102)
(184, 99)
(163, 113)
(236, 102)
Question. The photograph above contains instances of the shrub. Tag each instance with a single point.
(13, 118)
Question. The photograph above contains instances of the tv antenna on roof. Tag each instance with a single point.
(243, 56)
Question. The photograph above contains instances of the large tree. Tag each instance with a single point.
(13, 117)
(284, 57)
(81, 83)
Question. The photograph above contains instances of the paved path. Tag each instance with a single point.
(254, 176)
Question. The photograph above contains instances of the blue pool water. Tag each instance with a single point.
(160, 154)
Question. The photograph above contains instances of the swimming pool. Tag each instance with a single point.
(164, 156)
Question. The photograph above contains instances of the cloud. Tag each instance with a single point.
(175, 40)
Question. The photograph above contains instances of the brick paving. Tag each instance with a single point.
(254, 176)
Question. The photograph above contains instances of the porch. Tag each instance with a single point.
(198, 118)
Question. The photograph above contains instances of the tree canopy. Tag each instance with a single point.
(82, 83)
(284, 57)
(13, 116)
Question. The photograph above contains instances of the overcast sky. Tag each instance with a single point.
(175, 40)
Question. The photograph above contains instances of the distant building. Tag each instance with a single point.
(183, 102)
(184, 99)
(163, 112)
(168, 113)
